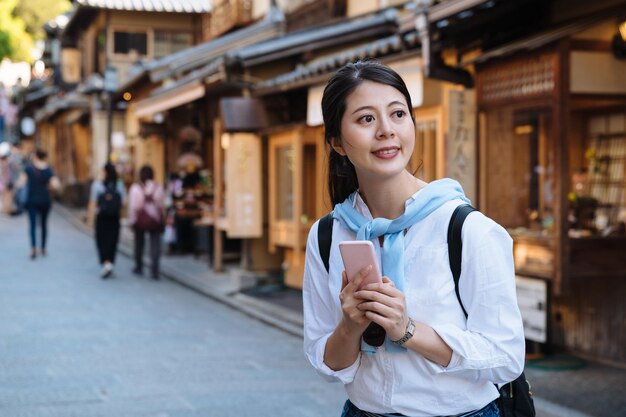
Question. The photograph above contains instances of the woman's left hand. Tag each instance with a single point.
(385, 304)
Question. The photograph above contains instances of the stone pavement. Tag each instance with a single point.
(594, 390)
(74, 345)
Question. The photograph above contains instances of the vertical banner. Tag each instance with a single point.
(462, 148)
(243, 192)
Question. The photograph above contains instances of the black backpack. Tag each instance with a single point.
(109, 202)
(515, 397)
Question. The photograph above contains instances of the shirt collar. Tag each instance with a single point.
(361, 207)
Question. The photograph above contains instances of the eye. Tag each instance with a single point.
(368, 118)
(399, 113)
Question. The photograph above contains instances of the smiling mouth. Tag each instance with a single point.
(386, 151)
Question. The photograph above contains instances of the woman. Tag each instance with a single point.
(38, 177)
(146, 214)
(105, 204)
(434, 361)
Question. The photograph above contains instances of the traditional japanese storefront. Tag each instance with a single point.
(552, 159)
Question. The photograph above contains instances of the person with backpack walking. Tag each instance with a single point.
(105, 205)
(430, 359)
(146, 214)
(36, 180)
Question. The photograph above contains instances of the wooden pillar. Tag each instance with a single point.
(561, 113)
(218, 195)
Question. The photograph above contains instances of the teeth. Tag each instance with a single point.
(387, 151)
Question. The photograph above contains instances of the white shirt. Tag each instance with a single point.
(487, 348)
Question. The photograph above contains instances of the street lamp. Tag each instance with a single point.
(110, 86)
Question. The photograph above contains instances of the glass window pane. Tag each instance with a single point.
(166, 43)
(125, 42)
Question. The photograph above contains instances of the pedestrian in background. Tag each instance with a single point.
(6, 196)
(105, 205)
(146, 214)
(38, 178)
(16, 167)
(433, 361)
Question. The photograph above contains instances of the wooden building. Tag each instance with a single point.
(551, 103)
(99, 43)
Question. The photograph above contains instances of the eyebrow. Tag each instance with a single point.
(393, 103)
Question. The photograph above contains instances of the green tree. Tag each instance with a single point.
(21, 23)
(35, 14)
(15, 43)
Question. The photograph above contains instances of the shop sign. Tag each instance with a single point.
(532, 298)
(462, 140)
(243, 190)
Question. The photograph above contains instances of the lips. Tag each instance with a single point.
(388, 152)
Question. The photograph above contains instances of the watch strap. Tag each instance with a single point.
(410, 329)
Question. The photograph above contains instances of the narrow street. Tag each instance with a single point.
(72, 344)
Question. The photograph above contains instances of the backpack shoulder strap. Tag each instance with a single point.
(325, 237)
(455, 245)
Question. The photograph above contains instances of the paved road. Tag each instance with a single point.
(72, 344)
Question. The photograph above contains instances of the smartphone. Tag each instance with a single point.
(358, 254)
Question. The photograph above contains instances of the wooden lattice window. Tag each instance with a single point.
(606, 157)
(520, 78)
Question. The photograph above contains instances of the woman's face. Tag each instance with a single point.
(377, 132)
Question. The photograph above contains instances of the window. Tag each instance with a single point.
(166, 43)
(125, 42)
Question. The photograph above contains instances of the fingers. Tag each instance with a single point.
(386, 280)
(387, 288)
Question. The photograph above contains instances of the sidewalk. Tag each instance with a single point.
(563, 386)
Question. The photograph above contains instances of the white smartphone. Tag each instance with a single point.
(358, 254)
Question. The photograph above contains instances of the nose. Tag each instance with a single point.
(385, 129)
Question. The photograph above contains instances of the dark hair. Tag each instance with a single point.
(342, 179)
(146, 173)
(41, 154)
(110, 174)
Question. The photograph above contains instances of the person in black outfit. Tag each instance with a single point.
(37, 177)
(107, 223)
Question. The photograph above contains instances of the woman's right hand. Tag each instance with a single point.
(342, 348)
(354, 319)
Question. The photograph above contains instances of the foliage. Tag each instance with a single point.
(35, 14)
(21, 23)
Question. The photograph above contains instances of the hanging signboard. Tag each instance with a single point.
(462, 140)
(243, 194)
(532, 298)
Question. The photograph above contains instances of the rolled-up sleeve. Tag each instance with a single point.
(492, 346)
(322, 313)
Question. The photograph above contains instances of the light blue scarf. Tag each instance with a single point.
(429, 199)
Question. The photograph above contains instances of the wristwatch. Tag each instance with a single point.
(410, 328)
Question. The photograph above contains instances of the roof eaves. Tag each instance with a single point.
(198, 55)
(194, 76)
(169, 6)
(315, 70)
(313, 38)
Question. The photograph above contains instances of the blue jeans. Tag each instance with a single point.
(490, 410)
(42, 211)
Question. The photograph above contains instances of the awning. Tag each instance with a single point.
(539, 40)
(308, 74)
(169, 99)
(61, 104)
(450, 8)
